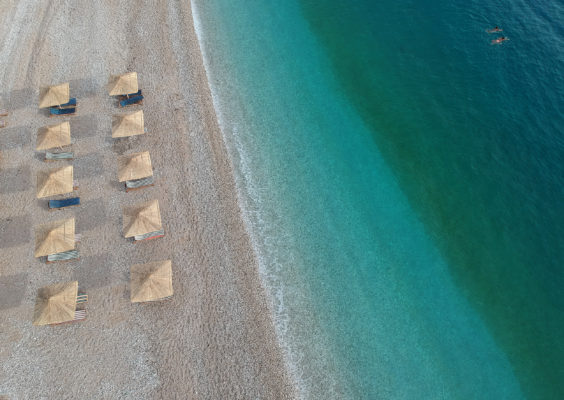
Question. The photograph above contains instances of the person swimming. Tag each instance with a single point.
(499, 40)
(494, 30)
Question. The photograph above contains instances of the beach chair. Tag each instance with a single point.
(61, 111)
(79, 315)
(131, 101)
(64, 256)
(139, 183)
(81, 298)
(60, 204)
(58, 156)
(75, 185)
(127, 96)
(149, 236)
(70, 104)
(77, 237)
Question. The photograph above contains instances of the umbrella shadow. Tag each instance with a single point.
(15, 180)
(15, 231)
(96, 272)
(122, 145)
(14, 137)
(84, 126)
(43, 204)
(84, 87)
(20, 98)
(126, 277)
(12, 290)
(91, 214)
(88, 165)
(119, 186)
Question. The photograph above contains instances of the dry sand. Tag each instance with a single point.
(214, 339)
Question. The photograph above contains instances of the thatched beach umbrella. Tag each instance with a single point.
(141, 219)
(128, 124)
(135, 166)
(55, 303)
(151, 281)
(53, 136)
(55, 181)
(123, 84)
(50, 96)
(54, 237)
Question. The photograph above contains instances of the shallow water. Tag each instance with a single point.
(401, 179)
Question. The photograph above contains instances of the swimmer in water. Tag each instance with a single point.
(494, 30)
(499, 40)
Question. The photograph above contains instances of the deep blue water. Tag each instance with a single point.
(402, 179)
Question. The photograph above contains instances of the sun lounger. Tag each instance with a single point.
(61, 111)
(58, 156)
(139, 183)
(77, 237)
(4, 113)
(60, 204)
(127, 96)
(149, 236)
(131, 101)
(75, 185)
(64, 256)
(71, 103)
(3, 124)
(79, 315)
(81, 298)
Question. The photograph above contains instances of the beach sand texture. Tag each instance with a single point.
(214, 339)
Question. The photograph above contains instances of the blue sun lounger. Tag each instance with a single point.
(59, 204)
(61, 111)
(71, 103)
(126, 96)
(131, 101)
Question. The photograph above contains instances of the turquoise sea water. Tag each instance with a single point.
(402, 181)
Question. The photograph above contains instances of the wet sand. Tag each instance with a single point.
(215, 338)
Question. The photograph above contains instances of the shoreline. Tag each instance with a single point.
(242, 178)
(215, 338)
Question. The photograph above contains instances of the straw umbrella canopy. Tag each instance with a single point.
(55, 303)
(151, 281)
(135, 166)
(55, 181)
(53, 136)
(128, 124)
(142, 219)
(54, 95)
(123, 84)
(54, 237)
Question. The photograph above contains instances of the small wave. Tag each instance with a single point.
(249, 198)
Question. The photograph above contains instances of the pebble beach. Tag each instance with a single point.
(214, 339)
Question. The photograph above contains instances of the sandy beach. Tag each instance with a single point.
(215, 338)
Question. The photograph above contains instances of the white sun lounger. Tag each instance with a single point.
(150, 235)
(58, 156)
(64, 256)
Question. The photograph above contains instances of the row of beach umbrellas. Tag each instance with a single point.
(119, 85)
(59, 135)
(59, 181)
(151, 281)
